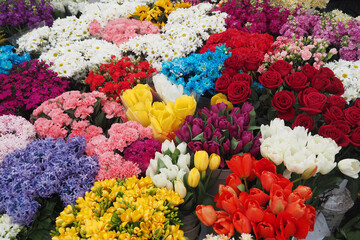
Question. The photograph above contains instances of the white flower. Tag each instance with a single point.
(8, 229)
(168, 91)
(276, 126)
(180, 188)
(152, 168)
(171, 172)
(182, 147)
(274, 149)
(184, 162)
(168, 145)
(300, 161)
(246, 236)
(181, 174)
(350, 167)
(160, 180)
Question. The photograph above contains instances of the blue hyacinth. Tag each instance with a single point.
(8, 58)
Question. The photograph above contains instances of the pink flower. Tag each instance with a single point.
(97, 146)
(333, 51)
(83, 112)
(92, 131)
(305, 55)
(78, 127)
(113, 109)
(46, 128)
(59, 117)
(95, 28)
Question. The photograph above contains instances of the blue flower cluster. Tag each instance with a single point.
(8, 58)
(45, 167)
(197, 72)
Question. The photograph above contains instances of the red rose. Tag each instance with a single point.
(320, 82)
(211, 47)
(333, 113)
(337, 101)
(229, 71)
(309, 71)
(283, 102)
(336, 87)
(342, 125)
(235, 61)
(305, 121)
(303, 93)
(337, 135)
(355, 137)
(243, 77)
(357, 103)
(271, 79)
(223, 82)
(238, 92)
(313, 102)
(327, 72)
(214, 38)
(252, 62)
(282, 67)
(297, 81)
(352, 116)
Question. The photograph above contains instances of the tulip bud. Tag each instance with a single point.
(194, 178)
(308, 173)
(180, 188)
(350, 167)
(201, 160)
(214, 161)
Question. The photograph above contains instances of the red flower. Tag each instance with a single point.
(266, 228)
(206, 214)
(282, 67)
(296, 209)
(268, 179)
(336, 134)
(228, 201)
(284, 101)
(304, 191)
(264, 164)
(241, 165)
(224, 226)
(305, 121)
(271, 79)
(241, 222)
(289, 226)
(233, 181)
(253, 211)
(239, 92)
(258, 195)
(297, 81)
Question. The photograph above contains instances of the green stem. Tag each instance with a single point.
(296, 180)
(245, 183)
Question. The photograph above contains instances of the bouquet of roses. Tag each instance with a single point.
(221, 131)
(162, 118)
(254, 16)
(270, 209)
(122, 209)
(27, 86)
(247, 49)
(115, 77)
(121, 30)
(157, 12)
(43, 168)
(298, 52)
(8, 58)
(15, 133)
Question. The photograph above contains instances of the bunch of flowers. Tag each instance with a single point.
(122, 209)
(347, 72)
(197, 72)
(247, 49)
(8, 58)
(115, 77)
(157, 12)
(306, 4)
(141, 151)
(184, 33)
(74, 113)
(297, 149)
(272, 210)
(108, 149)
(15, 133)
(218, 130)
(8, 229)
(43, 168)
(344, 36)
(121, 30)
(62, 7)
(27, 86)
(298, 52)
(254, 16)
(162, 118)
(25, 14)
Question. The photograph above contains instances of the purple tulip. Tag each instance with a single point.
(246, 107)
(198, 127)
(238, 147)
(195, 146)
(246, 137)
(239, 121)
(246, 117)
(235, 110)
(183, 133)
(218, 107)
(207, 132)
(226, 146)
(189, 119)
(217, 134)
(212, 147)
(205, 111)
(233, 131)
(255, 148)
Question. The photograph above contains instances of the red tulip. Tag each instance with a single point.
(262, 165)
(293, 197)
(304, 191)
(310, 216)
(267, 179)
(241, 222)
(296, 209)
(285, 184)
(265, 230)
(233, 181)
(252, 173)
(224, 226)
(228, 201)
(253, 211)
(261, 197)
(206, 214)
(221, 214)
(241, 165)
(289, 226)
(277, 201)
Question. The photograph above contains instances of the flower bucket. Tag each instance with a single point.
(221, 180)
(191, 226)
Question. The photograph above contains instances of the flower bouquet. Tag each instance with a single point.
(123, 209)
(8, 59)
(15, 133)
(120, 74)
(162, 118)
(27, 86)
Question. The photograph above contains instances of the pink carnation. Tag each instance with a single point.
(113, 109)
(46, 128)
(97, 146)
(306, 55)
(59, 117)
(83, 112)
(95, 28)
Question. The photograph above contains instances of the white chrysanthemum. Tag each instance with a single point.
(216, 237)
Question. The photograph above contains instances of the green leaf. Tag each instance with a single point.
(160, 164)
(234, 143)
(252, 117)
(225, 132)
(201, 190)
(99, 119)
(247, 147)
(199, 137)
(263, 97)
(251, 128)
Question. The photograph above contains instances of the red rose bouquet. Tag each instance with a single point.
(272, 209)
(115, 77)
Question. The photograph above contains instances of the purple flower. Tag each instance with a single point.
(226, 146)
(222, 123)
(207, 132)
(212, 147)
(238, 147)
(246, 107)
(197, 127)
(246, 137)
(217, 135)
(216, 108)
(183, 133)
(195, 146)
(255, 148)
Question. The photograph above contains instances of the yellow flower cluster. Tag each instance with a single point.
(157, 12)
(122, 209)
(162, 117)
(2, 35)
(292, 4)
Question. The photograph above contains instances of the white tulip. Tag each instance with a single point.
(169, 185)
(277, 126)
(171, 172)
(168, 145)
(320, 145)
(182, 147)
(274, 148)
(183, 163)
(180, 188)
(160, 180)
(167, 161)
(152, 168)
(300, 161)
(181, 174)
(158, 155)
(168, 91)
(325, 165)
(350, 167)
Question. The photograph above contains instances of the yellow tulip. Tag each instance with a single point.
(201, 160)
(140, 93)
(184, 105)
(140, 113)
(194, 178)
(162, 121)
(219, 98)
(214, 161)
